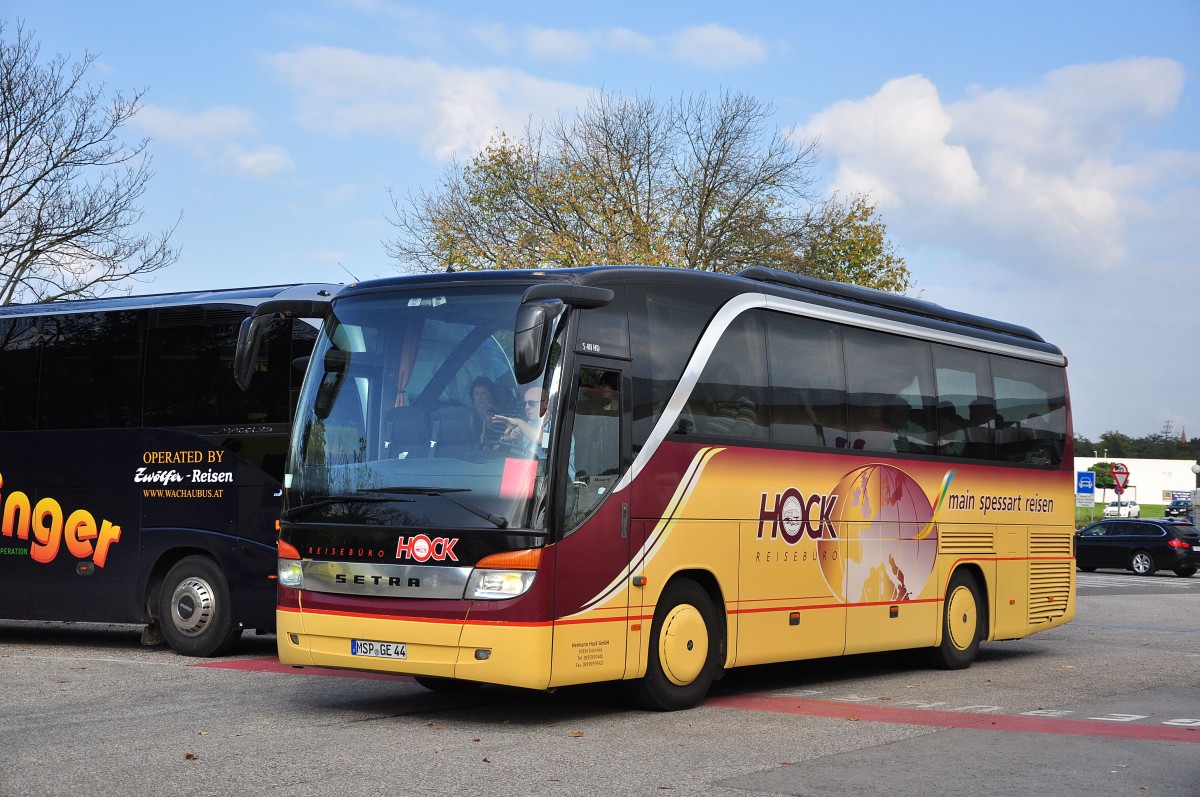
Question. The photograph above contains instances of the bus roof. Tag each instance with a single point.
(836, 295)
(246, 297)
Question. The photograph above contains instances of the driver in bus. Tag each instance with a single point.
(525, 432)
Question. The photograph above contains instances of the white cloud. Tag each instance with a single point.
(894, 146)
(715, 47)
(216, 135)
(560, 45)
(706, 47)
(447, 109)
(261, 162)
(1042, 171)
(624, 40)
(212, 124)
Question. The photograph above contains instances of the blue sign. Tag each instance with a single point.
(1085, 482)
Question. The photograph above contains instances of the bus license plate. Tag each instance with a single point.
(382, 650)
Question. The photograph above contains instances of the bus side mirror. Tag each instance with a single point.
(531, 337)
(249, 337)
(251, 331)
(337, 363)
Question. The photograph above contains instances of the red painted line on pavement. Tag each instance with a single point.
(956, 719)
(271, 664)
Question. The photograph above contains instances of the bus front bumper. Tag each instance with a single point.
(495, 653)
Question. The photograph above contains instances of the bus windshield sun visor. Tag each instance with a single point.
(251, 331)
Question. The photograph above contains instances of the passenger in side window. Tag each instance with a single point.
(952, 434)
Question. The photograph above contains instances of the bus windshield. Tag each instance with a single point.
(411, 415)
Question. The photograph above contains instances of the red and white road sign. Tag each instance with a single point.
(1120, 475)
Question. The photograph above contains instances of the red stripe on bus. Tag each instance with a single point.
(272, 665)
(955, 719)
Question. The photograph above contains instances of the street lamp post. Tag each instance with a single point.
(1195, 496)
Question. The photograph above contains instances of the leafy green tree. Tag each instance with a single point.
(1104, 479)
(848, 242)
(700, 182)
(68, 186)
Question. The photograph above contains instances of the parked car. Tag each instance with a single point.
(1142, 546)
(1123, 509)
(1180, 507)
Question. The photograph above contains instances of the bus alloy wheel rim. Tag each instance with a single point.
(962, 618)
(192, 606)
(683, 645)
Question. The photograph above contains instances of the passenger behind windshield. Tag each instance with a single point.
(484, 400)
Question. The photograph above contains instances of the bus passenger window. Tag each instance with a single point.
(808, 381)
(730, 398)
(965, 404)
(890, 408)
(1031, 413)
(19, 387)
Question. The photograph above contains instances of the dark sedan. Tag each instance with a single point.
(1180, 507)
(1142, 546)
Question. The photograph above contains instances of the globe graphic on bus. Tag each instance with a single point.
(883, 550)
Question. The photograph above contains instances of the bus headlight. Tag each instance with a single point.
(291, 575)
(497, 584)
(503, 575)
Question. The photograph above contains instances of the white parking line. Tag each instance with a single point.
(1112, 580)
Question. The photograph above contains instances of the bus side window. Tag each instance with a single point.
(595, 457)
(91, 370)
(1031, 422)
(730, 400)
(808, 381)
(19, 363)
(966, 408)
(890, 410)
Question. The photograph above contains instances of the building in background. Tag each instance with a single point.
(1151, 481)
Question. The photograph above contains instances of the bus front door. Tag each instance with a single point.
(592, 576)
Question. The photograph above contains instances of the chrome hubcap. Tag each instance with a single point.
(192, 606)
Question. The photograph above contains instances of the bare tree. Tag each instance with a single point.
(699, 183)
(69, 187)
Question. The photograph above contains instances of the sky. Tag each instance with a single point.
(1037, 163)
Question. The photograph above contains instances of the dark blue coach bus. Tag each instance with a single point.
(138, 483)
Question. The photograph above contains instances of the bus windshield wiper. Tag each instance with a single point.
(496, 520)
(341, 499)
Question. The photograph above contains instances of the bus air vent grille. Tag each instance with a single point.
(1049, 590)
(966, 540)
(1043, 543)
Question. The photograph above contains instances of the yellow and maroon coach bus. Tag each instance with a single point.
(543, 478)
(138, 484)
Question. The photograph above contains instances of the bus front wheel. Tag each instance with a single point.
(684, 650)
(194, 610)
(964, 619)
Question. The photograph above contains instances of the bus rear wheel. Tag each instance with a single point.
(685, 645)
(194, 609)
(964, 619)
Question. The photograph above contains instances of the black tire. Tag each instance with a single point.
(1142, 563)
(686, 650)
(1088, 569)
(446, 686)
(964, 623)
(194, 610)
(1185, 572)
